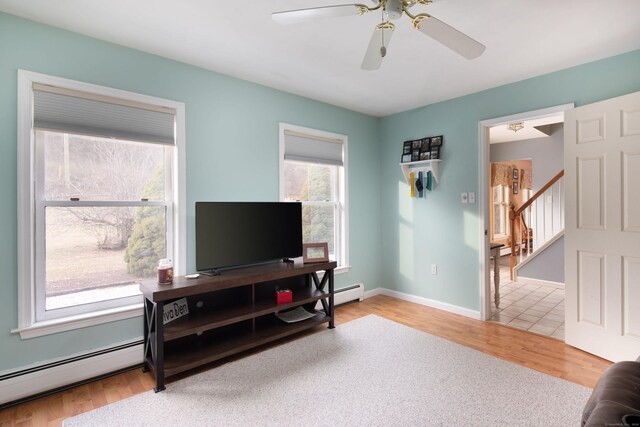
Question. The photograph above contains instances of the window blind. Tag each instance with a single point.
(77, 112)
(315, 150)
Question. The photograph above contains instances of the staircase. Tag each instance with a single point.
(538, 222)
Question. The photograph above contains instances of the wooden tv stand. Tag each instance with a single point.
(229, 313)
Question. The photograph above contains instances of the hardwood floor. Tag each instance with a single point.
(536, 352)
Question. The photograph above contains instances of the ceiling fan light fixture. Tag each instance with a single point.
(515, 126)
(393, 9)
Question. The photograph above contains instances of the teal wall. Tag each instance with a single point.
(393, 239)
(232, 154)
(440, 230)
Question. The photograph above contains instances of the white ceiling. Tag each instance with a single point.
(321, 60)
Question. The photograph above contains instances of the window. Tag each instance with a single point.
(500, 211)
(105, 203)
(313, 172)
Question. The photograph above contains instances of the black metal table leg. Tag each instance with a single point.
(159, 347)
(147, 323)
(331, 307)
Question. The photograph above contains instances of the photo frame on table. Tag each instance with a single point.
(515, 188)
(435, 153)
(515, 174)
(406, 158)
(416, 144)
(415, 155)
(315, 252)
(425, 155)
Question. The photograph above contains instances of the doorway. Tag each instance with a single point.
(528, 305)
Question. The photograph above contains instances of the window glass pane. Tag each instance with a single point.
(497, 194)
(318, 225)
(101, 253)
(310, 182)
(92, 168)
(498, 219)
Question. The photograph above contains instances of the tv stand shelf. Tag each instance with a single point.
(230, 313)
(203, 322)
(180, 359)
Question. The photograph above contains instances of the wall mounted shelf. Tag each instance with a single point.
(421, 165)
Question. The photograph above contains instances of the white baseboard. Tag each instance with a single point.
(474, 314)
(39, 379)
(372, 293)
(557, 285)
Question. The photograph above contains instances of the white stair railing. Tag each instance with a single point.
(539, 219)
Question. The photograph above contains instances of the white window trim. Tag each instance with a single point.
(343, 265)
(27, 325)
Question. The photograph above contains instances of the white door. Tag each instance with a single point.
(602, 237)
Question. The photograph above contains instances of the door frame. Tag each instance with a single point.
(483, 193)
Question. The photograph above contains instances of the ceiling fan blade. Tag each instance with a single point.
(302, 15)
(377, 46)
(448, 36)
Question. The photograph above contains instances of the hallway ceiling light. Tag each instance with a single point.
(515, 126)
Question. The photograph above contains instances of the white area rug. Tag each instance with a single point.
(368, 372)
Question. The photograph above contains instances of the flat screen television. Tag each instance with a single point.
(230, 234)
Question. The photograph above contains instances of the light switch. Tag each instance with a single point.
(472, 197)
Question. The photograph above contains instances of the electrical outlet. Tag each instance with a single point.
(464, 197)
(434, 269)
(472, 197)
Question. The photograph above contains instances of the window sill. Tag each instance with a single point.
(338, 270)
(342, 269)
(54, 326)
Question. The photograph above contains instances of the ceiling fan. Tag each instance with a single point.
(391, 11)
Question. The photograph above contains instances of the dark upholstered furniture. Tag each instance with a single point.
(615, 400)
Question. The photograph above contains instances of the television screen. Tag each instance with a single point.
(239, 233)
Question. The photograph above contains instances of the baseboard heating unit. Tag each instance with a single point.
(40, 380)
(347, 294)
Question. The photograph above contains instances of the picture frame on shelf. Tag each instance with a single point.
(406, 148)
(425, 144)
(436, 141)
(515, 188)
(315, 252)
(427, 148)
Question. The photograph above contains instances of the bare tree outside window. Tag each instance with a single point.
(108, 240)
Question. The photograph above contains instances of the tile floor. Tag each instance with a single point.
(534, 308)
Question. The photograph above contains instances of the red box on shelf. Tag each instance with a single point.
(284, 296)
